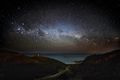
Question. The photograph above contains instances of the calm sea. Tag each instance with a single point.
(66, 58)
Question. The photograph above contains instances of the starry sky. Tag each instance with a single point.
(88, 26)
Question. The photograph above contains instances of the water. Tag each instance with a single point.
(66, 58)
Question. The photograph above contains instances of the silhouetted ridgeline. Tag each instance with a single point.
(100, 67)
(16, 66)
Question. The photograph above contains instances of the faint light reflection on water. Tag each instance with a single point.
(66, 58)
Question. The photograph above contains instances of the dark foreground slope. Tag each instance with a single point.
(16, 66)
(99, 67)
(95, 67)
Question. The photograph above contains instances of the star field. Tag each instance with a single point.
(60, 26)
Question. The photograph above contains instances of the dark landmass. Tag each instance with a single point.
(99, 67)
(16, 66)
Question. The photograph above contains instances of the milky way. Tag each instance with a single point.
(60, 27)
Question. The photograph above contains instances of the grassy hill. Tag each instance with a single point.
(99, 67)
(16, 66)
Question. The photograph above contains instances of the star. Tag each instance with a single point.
(116, 38)
(108, 40)
(70, 26)
(23, 24)
(18, 7)
(77, 36)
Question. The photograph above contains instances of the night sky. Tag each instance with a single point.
(88, 26)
